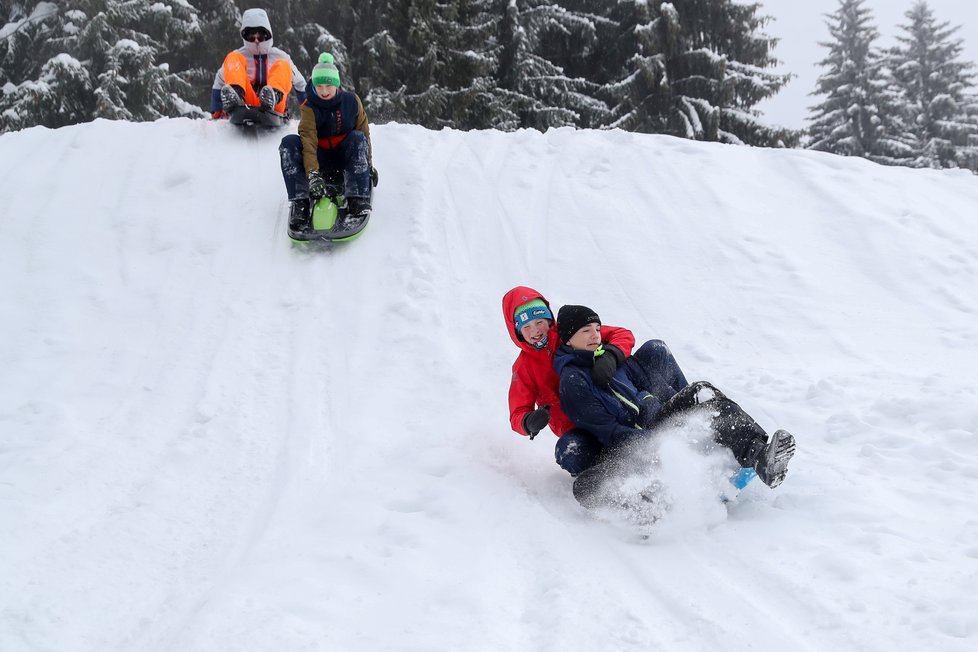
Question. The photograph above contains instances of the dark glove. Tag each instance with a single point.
(373, 176)
(649, 408)
(317, 184)
(607, 357)
(534, 422)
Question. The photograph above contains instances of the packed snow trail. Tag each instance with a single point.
(213, 439)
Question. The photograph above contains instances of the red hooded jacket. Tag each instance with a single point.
(535, 383)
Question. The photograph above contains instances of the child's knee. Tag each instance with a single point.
(576, 452)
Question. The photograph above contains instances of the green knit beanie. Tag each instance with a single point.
(325, 71)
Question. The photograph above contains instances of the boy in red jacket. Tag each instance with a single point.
(534, 400)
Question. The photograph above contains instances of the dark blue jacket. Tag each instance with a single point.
(615, 414)
(325, 124)
(335, 117)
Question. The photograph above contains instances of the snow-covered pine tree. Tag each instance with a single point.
(27, 81)
(861, 114)
(473, 99)
(938, 88)
(60, 95)
(537, 39)
(307, 28)
(968, 155)
(735, 31)
(632, 67)
(219, 34)
(429, 63)
(696, 69)
(24, 26)
(102, 58)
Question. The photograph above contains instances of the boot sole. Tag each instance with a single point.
(230, 99)
(779, 452)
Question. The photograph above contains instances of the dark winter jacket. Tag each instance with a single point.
(535, 382)
(325, 123)
(615, 414)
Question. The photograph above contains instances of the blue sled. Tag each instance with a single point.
(739, 480)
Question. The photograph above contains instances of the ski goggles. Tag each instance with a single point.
(255, 34)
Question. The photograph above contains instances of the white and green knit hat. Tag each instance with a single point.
(325, 71)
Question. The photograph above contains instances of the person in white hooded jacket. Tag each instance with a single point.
(256, 74)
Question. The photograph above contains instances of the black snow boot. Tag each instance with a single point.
(299, 214)
(772, 457)
(357, 211)
(586, 488)
(269, 98)
(232, 97)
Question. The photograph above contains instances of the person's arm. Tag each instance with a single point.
(586, 411)
(298, 79)
(522, 398)
(620, 337)
(309, 137)
(217, 106)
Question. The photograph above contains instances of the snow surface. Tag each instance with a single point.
(213, 440)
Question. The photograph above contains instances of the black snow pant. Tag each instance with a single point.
(654, 369)
(732, 427)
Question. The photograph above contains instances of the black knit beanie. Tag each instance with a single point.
(571, 319)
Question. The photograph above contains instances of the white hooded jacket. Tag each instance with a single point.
(261, 52)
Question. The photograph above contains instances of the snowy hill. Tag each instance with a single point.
(210, 440)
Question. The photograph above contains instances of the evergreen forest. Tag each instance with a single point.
(693, 69)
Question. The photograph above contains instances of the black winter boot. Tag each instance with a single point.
(357, 211)
(772, 457)
(299, 214)
(269, 98)
(232, 97)
(586, 487)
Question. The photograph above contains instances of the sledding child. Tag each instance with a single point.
(644, 391)
(256, 74)
(334, 137)
(533, 391)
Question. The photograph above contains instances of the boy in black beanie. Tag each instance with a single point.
(641, 392)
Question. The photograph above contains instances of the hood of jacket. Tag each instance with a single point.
(256, 18)
(513, 300)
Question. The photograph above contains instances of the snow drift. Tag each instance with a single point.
(210, 439)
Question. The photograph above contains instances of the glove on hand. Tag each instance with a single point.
(649, 408)
(317, 184)
(536, 421)
(373, 176)
(219, 115)
(607, 357)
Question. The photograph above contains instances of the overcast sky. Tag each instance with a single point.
(801, 24)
